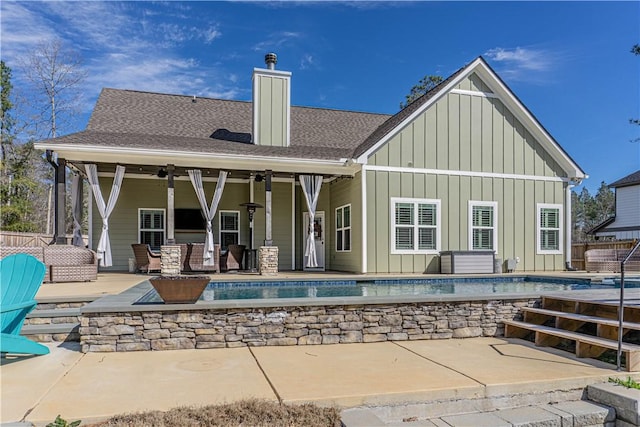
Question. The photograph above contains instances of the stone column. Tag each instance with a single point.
(268, 260)
(170, 260)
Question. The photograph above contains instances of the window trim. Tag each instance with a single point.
(220, 230)
(539, 228)
(343, 228)
(392, 223)
(164, 223)
(494, 206)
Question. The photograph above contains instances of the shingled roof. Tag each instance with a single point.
(127, 118)
(168, 124)
(631, 179)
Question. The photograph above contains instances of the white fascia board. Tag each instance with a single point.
(423, 171)
(531, 123)
(92, 154)
(362, 159)
(273, 73)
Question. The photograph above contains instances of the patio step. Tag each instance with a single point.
(51, 314)
(571, 413)
(541, 315)
(589, 322)
(52, 332)
(55, 319)
(586, 345)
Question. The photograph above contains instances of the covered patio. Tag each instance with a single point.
(260, 210)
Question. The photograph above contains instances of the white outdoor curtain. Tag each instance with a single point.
(209, 212)
(76, 210)
(311, 188)
(104, 246)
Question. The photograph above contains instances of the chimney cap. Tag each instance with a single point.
(271, 59)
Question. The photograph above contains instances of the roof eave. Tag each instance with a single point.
(93, 154)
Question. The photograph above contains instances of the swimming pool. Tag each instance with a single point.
(220, 291)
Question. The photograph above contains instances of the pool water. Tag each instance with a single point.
(218, 291)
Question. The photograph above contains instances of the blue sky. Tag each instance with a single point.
(569, 62)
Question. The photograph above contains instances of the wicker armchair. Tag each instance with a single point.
(195, 258)
(232, 260)
(146, 261)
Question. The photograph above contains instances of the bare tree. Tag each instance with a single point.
(55, 74)
(52, 98)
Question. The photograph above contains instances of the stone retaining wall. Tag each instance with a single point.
(239, 327)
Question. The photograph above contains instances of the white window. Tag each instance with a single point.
(415, 226)
(483, 226)
(229, 228)
(343, 228)
(549, 229)
(151, 227)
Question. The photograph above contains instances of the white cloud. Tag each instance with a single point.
(176, 34)
(522, 63)
(276, 40)
(129, 45)
(307, 61)
(210, 34)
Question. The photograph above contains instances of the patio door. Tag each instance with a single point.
(318, 234)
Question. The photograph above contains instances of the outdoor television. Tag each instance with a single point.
(189, 219)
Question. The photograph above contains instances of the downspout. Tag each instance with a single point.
(568, 226)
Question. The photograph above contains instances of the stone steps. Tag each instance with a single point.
(55, 332)
(55, 320)
(570, 413)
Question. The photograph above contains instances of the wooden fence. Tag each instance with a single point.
(15, 238)
(578, 249)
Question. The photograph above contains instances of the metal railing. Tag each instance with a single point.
(621, 306)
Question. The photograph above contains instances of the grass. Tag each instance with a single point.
(246, 413)
(628, 383)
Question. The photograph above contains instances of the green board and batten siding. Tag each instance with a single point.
(272, 115)
(466, 133)
(346, 192)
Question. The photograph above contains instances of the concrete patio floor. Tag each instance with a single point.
(94, 386)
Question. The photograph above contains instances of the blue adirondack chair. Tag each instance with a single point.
(20, 278)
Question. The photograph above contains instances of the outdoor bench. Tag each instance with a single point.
(65, 263)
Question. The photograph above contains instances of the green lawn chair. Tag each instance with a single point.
(20, 278)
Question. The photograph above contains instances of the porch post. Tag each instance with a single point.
(171, 238)
(567, 235)
(61, 197)
(267, 238)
